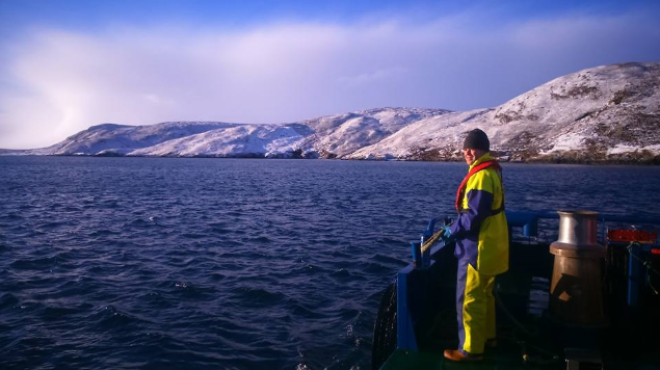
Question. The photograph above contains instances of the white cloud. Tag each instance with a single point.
(62, 82)
(387, 74)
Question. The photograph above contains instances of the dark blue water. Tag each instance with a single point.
(137, 263)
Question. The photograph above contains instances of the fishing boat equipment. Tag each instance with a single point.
(419, 302)
(576, 291)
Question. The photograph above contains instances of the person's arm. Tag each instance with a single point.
(480, 202)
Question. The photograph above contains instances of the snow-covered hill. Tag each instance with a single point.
(331, 136)
(112, 139)
(341, 135)
(609, 112)
(234, 141)
(603, 113)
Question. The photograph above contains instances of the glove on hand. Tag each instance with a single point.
(447, 232)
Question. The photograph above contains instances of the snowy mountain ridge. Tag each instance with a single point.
(607, 113)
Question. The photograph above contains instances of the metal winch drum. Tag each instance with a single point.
(576, 290)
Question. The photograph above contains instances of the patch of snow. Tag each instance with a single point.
(571, 141)
(623, 148)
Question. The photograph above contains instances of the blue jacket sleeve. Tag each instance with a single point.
(479, 207)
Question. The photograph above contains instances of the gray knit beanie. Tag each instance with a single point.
(477, 139)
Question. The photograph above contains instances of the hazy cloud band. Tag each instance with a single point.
(58, 82)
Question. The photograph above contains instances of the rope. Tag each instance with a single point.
(646, 264)
(429, 243)
(531, 334)
(513, 319)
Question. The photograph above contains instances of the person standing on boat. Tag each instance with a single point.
(482, 248)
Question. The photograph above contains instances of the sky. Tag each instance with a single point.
(67, 65)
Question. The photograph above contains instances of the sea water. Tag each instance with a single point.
(159, 263)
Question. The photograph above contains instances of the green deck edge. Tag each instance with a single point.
(405, 359)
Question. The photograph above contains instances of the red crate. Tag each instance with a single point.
(639, 236)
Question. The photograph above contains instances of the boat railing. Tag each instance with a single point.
(527, 222)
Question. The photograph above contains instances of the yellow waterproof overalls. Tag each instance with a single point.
(482, 250)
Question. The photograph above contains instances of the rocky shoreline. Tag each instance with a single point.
(642, 158)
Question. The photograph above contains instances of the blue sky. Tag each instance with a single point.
(66, 65)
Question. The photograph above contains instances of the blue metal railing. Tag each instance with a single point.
(528, 220)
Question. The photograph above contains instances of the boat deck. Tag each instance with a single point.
(528, 336)
(403, 359)
(506, 359)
